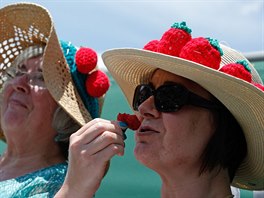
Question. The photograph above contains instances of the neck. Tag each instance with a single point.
(22, 157)
(211, 185)
(27, 142)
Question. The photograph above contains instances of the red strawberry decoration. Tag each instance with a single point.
(205, 51)
(174, 39)
(151, 46)
(131, 120)
(260, 86)
(240, 69)
(97, 83)
(86, 60)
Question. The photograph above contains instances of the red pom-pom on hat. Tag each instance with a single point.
(174, 39)
(151, 45)
(97, 84)
(200, 50)
(238, 70)
(86, 60)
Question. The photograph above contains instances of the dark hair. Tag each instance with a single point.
(227, 147)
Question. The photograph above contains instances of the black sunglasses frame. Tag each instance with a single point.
(170, 98)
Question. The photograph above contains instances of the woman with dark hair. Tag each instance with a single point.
(200, 107)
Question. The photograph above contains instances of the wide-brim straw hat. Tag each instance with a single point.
(27, 24)
(130, 67)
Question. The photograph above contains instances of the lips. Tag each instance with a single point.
(17, 102)
(147, 129)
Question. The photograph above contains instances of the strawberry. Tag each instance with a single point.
(240, 69)
(151, 45)
(131, 120)
(174, 39)
(205, 51)
(258, 85)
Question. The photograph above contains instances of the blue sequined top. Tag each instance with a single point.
(42, 183)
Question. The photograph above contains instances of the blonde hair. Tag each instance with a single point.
(30, 52)
(64, 124)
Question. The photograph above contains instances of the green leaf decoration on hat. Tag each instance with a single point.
(245, 64)
(182, 26)
(215, 44)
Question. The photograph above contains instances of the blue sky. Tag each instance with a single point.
(107, 24)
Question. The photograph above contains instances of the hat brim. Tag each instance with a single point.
(130, 67)
(59, 81)
(21, 25)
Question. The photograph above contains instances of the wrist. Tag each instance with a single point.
(67, 191)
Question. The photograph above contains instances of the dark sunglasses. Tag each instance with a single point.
(170, 98)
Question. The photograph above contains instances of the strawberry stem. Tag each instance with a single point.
(244, 63)
(215, 44)
(182, 25)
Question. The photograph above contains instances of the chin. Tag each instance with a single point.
(12, 122)
(145, 155)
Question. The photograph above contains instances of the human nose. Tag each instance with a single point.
(148, 109)
(21, 83)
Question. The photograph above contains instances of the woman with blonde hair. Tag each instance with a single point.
(45, 97)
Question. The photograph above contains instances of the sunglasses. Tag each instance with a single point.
(170, 98)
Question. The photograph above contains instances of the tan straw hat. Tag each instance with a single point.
(244, 98)
(27, 24)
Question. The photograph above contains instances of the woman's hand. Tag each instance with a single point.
(90, 151)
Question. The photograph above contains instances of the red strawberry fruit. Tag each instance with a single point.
(131, 120)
